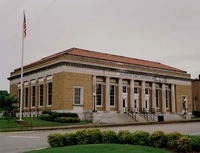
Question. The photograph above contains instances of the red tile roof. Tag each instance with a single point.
(108, 57)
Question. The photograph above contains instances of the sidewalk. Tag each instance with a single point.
(93, 125)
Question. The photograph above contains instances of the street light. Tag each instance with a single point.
(94, 96)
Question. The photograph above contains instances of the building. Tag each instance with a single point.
(79, 80)
(196, 94)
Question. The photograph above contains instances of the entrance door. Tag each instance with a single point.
(136, 105)
(184, 104)
(124, 105)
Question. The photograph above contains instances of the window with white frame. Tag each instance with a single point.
(26, 97)
(33, 96)
(41, 94)
(49, 93)
(112, 95)
(78, 94)
(99, 94)
(157, 98)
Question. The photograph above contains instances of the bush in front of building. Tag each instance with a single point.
(55, 140)
(69, 139)
(158, 139)
(89, 136)
(172, 138)
(184, 144)
(140, 137)
(124, 137)
(109, 136)
(60, 117)
(195, 142)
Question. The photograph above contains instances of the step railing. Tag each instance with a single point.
(132, 113)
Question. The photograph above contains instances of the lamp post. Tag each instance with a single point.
(94, 101)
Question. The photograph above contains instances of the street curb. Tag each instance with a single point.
(111, 125)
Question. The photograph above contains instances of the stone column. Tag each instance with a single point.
(153, 95)
(107, 94)
(163, 99)
(120, 104)
(143, 94)
(173, 99)
(132, 95)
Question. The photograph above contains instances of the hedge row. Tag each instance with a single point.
(60, 117)
(174, 140)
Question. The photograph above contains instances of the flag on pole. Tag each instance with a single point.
(24, 25)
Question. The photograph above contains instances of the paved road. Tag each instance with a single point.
(18, 142)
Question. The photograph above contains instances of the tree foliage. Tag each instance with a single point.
(7, 103)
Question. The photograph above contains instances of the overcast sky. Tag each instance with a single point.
(166, 31)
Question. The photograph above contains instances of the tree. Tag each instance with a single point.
(7, 103)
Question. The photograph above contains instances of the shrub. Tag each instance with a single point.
(76, 119)
(83, 137)
(55, 140)
(69, 139)
(66, 119)
(195, 142)
(140, 137)
(184, 144)
(109, 136)
(68, 115)
(95, 135)
(46, 117)
(158, 139)
(172, 139)
(124, 137)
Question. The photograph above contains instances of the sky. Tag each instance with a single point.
(165, 31)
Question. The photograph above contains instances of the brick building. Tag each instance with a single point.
(196, 93)
(78, 80)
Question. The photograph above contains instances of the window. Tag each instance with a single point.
(41, 94)
(26, 97)
(167, 98)
(157, 98)
(112, 95)
(49, 93)
(78, 96)
(136, 90)
(124, 89)
(146, 91)
(99, 94)
(33, 96)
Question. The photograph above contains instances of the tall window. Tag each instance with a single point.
(124, 89)
(136, 90)
(49, 93)
(26, 97)
(99, 94)
(184, 102)
(41, 94)
(112, 95)
(146, 91)
(157, 98)
(78, 96)
(33, 96)
(167, 98)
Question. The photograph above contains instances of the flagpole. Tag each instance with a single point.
(22, 69)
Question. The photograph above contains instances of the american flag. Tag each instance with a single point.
(24, 25)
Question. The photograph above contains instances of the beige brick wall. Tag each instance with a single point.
(182, 90)
(63, 84)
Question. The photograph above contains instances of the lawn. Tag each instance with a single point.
(102, 148)
(11, 125)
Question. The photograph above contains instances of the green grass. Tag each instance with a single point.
(11, 125)
(102, 148)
